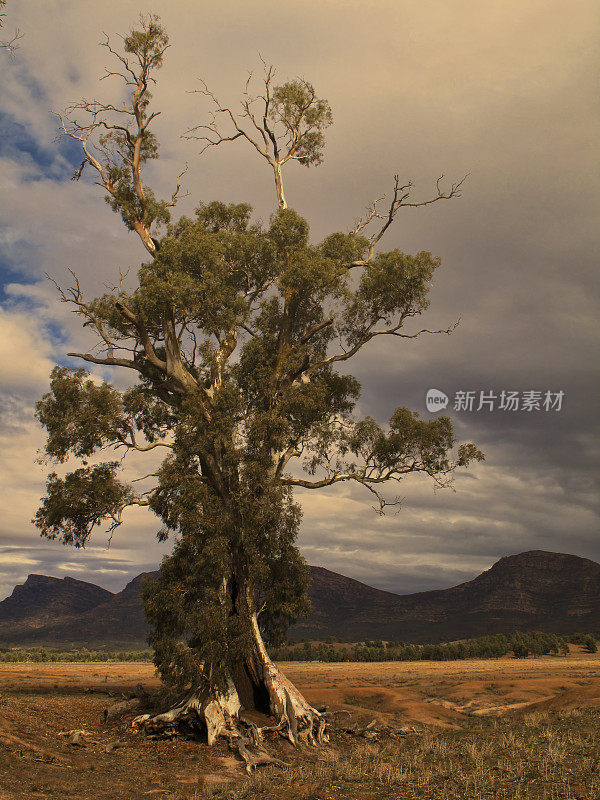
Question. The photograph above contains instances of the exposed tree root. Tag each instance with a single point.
(256, 758)
(212, 716)
(220, 714)
(257, 685)
(298, 720)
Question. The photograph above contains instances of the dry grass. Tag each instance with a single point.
(540, 741)
(551, 756)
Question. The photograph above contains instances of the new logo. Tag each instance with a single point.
(435, 400)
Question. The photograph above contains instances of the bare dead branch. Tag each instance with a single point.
(277, 133)
(371, 214)
(395, 331)
(176, 196)
(116, 150)
(400, 199)
(11, 45)
(74, 296)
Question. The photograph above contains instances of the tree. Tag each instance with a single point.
(8, 44)
(234, 335)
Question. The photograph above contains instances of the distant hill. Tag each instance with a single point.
(116, 620)
(535, 590)
(41, 600)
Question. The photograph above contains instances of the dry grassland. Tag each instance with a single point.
(468, 730)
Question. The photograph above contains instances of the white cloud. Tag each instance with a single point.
(16, 559)
(505, 91)
(25, 353)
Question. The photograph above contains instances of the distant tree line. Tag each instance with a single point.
(586, 640)
(43, 654)
(520, 644)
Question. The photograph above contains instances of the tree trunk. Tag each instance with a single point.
(254, 685)
(281, 201)
(298, 720)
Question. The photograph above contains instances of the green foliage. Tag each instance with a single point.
(237, 333)
(75, 504)
(586, 640)
(304, 117)
(123, 146)
(217, 216)
(200, 629)
(52, 654)
(80, 416)
(148, 44)
(260, 405)
(520, 644)
(395, 285)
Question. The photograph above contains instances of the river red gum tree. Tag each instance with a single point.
(233, 334)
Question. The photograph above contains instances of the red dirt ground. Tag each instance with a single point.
(38, 702)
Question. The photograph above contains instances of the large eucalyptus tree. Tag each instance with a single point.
(234, 335)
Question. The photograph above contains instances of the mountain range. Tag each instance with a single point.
(535, 590)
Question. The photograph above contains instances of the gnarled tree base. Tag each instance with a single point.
(203, 716)
(220, 714)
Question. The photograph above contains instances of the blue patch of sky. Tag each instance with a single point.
(50, 160)
(18, 144)
(15, 256)
(56, 333)
(11, 301)
(56, 160)
(9, 274)
(27, 79)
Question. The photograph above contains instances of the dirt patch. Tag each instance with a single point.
(40, 701)
(443, 693)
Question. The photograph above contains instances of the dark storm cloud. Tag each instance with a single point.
(505, 92)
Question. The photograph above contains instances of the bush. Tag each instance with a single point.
(43, 654)
(586, 640)
(521, 644)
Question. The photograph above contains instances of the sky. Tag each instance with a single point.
(504, 91)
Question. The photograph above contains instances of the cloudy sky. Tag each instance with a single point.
(504, 91)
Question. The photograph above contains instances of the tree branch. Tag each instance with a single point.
(133, 445)
(287, 125)
(110, 362)
(117, 516)
(394, 331)
(400, 197)
(146, 342)
(9, 45)
(121, 149)
(315, 329)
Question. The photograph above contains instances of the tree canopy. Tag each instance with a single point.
(235, 335)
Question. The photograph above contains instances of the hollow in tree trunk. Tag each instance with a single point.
(255, 685)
